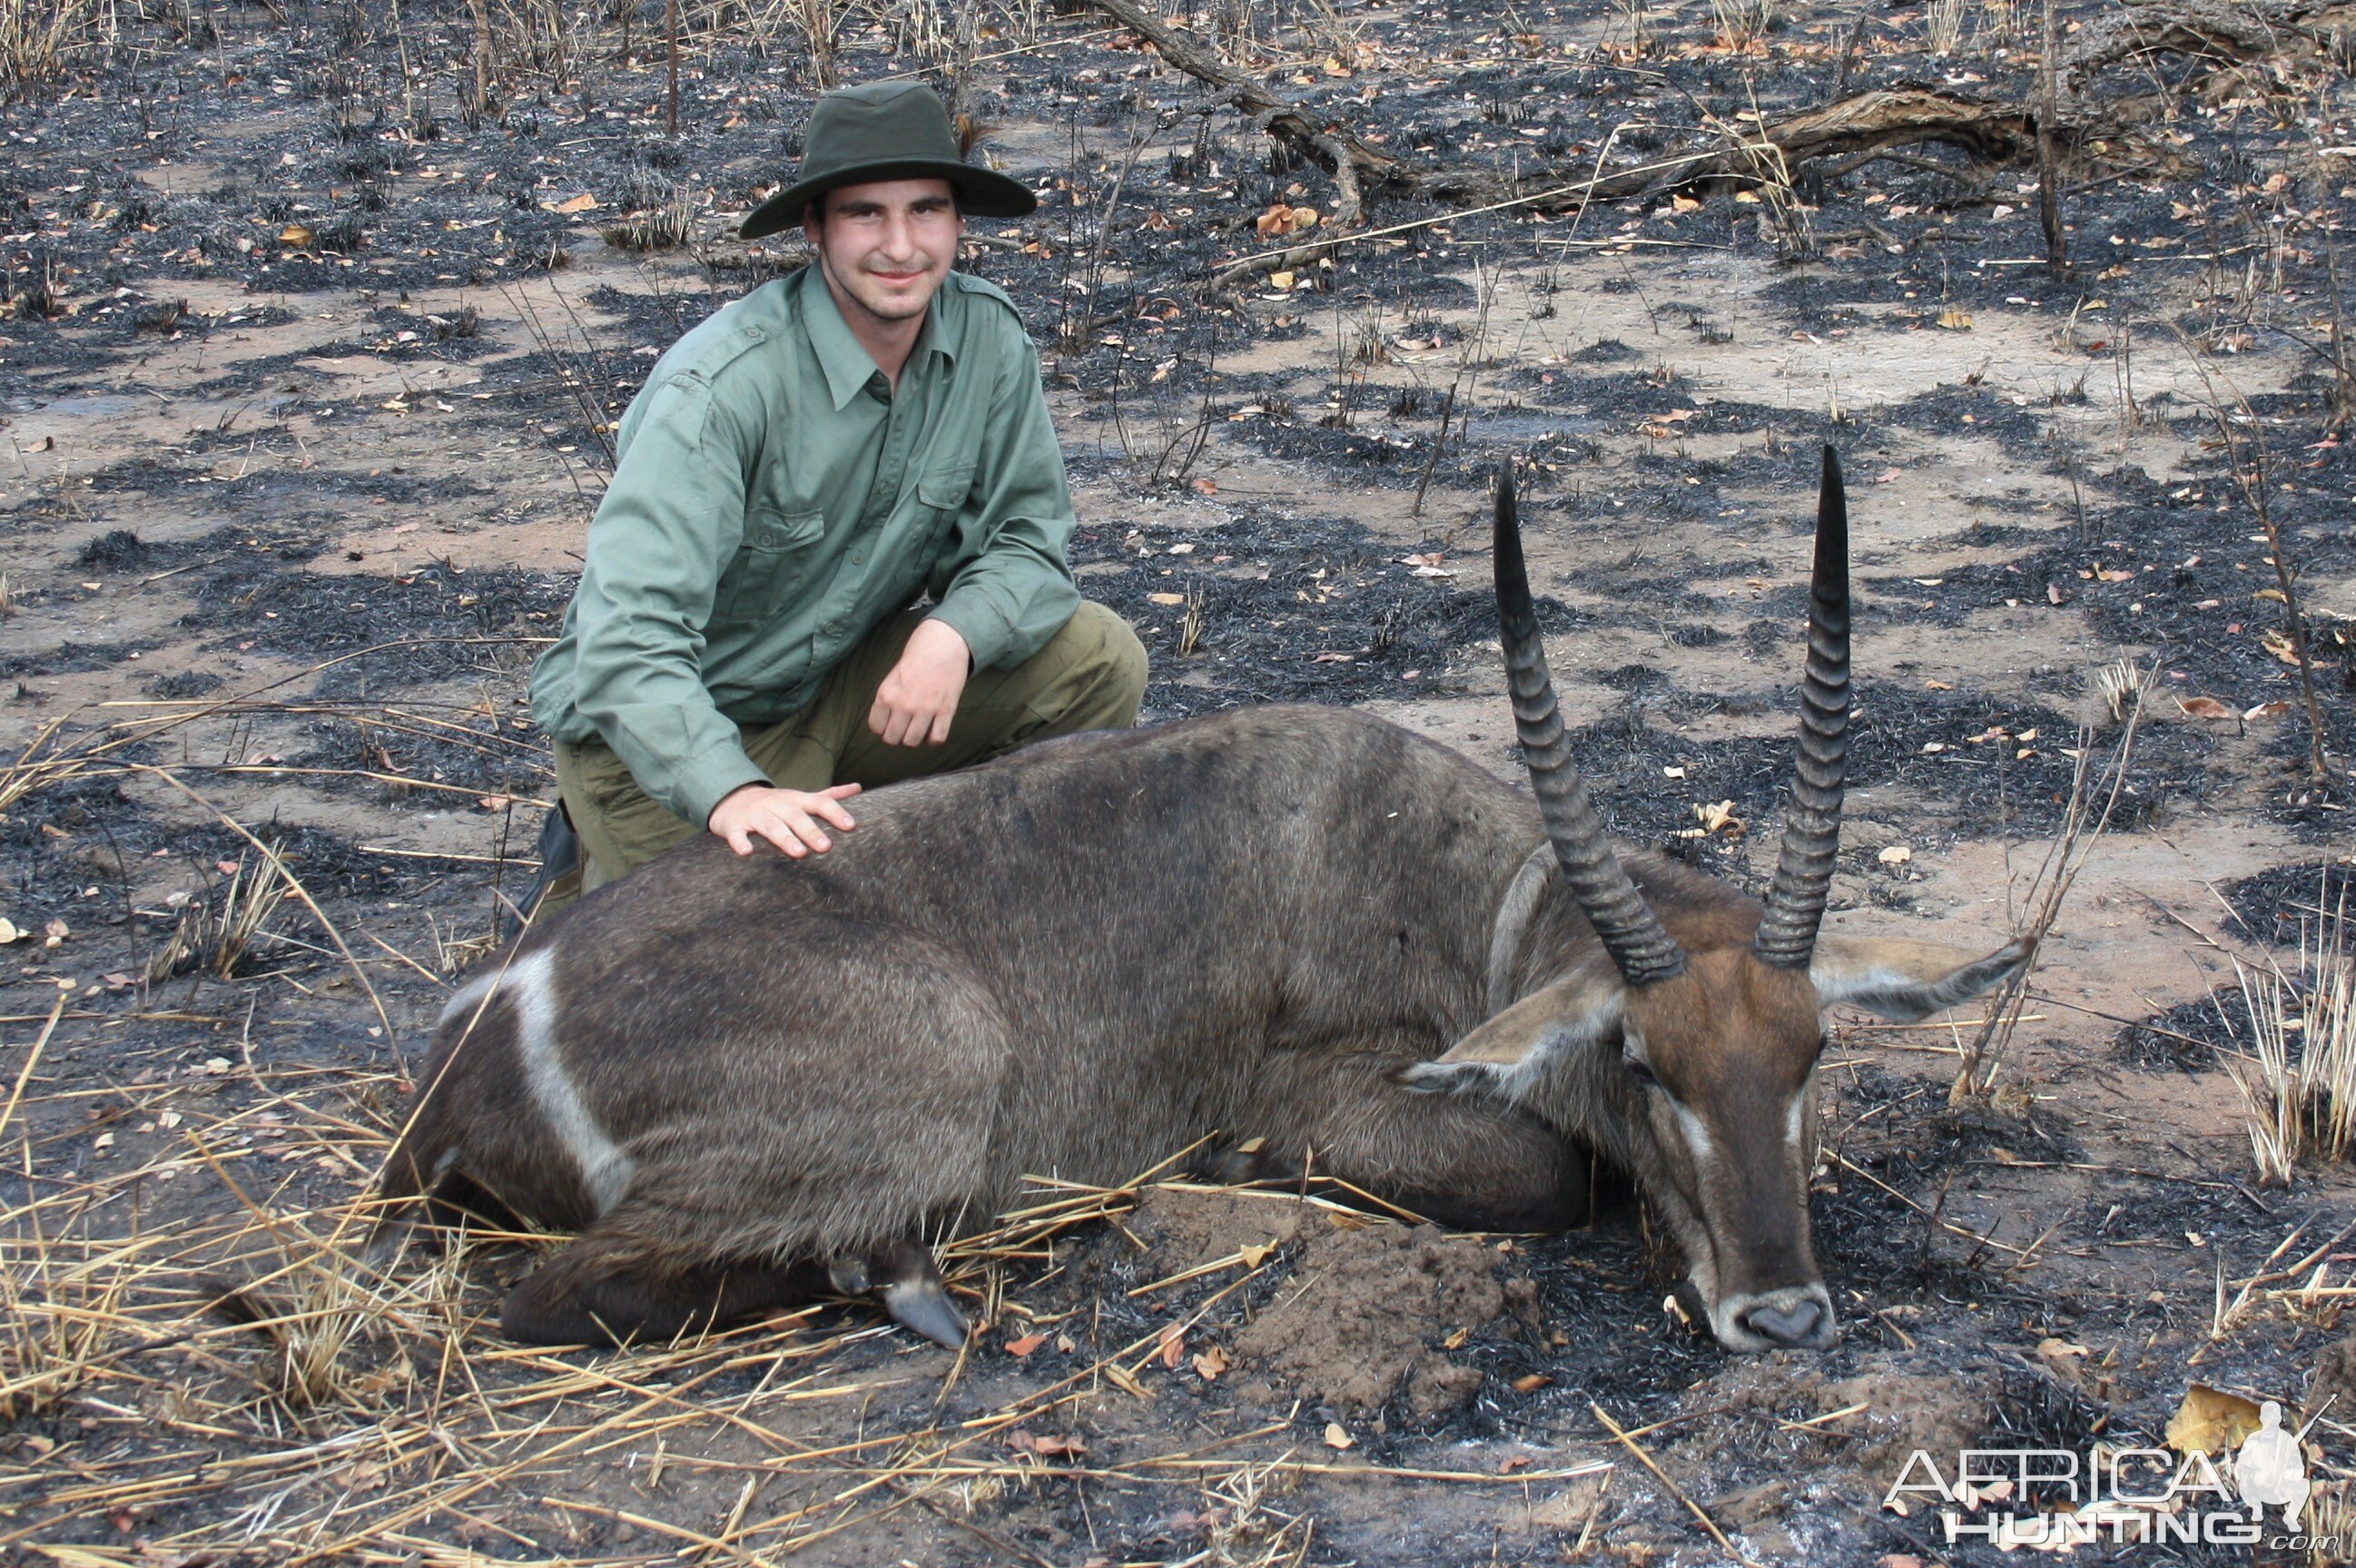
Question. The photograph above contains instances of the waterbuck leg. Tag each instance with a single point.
(1465, 1163)
(903, 1278)
(592, 1293)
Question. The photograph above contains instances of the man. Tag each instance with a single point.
(740, 656)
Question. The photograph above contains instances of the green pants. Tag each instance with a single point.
(1091, 675)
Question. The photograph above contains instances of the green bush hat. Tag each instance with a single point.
(885, 130)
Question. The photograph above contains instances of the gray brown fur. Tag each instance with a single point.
(1070, 961)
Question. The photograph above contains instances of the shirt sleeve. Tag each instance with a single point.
(673, 518)
(1002, 579)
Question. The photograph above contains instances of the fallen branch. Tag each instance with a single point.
(1866, 124)
(2215, 29)
(1358, 169)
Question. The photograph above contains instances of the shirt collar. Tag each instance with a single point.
(848, 365)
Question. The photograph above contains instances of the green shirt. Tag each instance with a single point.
(775, 499)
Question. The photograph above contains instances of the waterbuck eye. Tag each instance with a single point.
(1643, 1073)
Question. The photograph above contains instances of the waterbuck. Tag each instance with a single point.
(1328, 940)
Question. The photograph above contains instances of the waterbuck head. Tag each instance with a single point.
(1692, 1064)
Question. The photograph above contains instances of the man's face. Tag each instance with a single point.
(888, 244)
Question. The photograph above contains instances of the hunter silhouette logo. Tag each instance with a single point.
(2054, 1498)
(2269, 1468)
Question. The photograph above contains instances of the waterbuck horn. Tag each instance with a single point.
(1629, 930)
(1804, 873)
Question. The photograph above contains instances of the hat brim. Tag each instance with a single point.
(980, 192)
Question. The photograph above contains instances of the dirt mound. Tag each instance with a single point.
(1903, 1409)
(1374, 1306)
(1358, 1311)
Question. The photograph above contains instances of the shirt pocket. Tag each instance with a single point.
(775, 544)
(942, 492)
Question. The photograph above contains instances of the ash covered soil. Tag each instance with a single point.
(318, 317)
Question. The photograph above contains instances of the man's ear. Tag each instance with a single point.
(1904, 979)
(1509, 1053)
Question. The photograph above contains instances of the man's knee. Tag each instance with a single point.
(1108, 667)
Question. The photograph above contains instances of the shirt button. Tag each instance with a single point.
(858, 557)
(834, 628)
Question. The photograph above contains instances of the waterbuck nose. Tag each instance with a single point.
(1797, 1326)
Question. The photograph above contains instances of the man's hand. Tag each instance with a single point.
(917, 699)
(786, 817)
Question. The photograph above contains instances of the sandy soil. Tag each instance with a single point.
(280, 558)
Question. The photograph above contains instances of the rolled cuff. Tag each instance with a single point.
(987, 632)
(709, 777)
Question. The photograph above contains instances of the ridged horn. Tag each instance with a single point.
(1629, 932)
(1804, 872)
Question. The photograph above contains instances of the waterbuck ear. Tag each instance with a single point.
(1905, 980)
(1507, 1054)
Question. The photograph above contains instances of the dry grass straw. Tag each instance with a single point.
(2298, 1079)
(1946, 20)
(39, 38)
(353, 1408)
(2073, 845)
(2125, 685)
(217, 935)
(1742, 24)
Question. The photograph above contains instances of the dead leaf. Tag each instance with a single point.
(1455, 1340)
(1206, 487)
(1173, 1346)
(1718, 818)
(1024, 1442)
(1121, 1378)
(1254, 1256)
(2058, 1349)
(1275, 220)
(1896, 854)
(1281, 280)
(1210, 1363)
(2266, 711)
(295, 235)
(10, 932)
(2274, 594)
(1166, 599)
(1518, 1462)
(2211, 1420)
(55, 933)
(1337, 1438)
(2279, 644)
(2203, 708)
(584, 202)
(2109, 574)
(1532, 1383)
(1956, 320)
(1684, 204)
(1025, 1345)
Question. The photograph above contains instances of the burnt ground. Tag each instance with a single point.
(309, 353)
